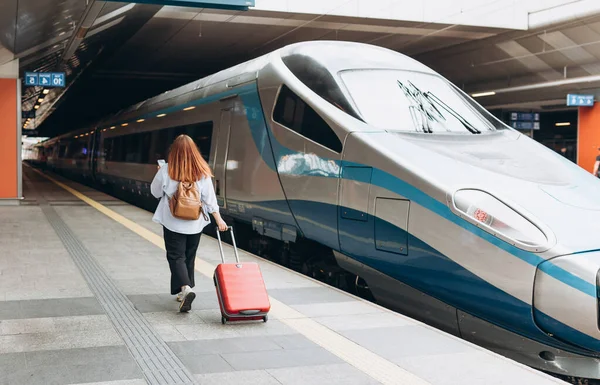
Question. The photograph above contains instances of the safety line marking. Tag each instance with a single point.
(380, 369)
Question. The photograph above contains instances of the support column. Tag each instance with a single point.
(588, 136)
(10, 134)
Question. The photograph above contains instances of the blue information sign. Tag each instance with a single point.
(239, 5)
(580, 100)
(31, 79)
(525, 120)
(52, 79)
(45, 79)
(526, 116)
(525, 125)
(58, 80)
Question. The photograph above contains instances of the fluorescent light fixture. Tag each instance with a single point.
(104, 130)
(161, 115)
(125, 124)
(113, 127)
(189, 108)
(140, 120)
(563, 124)
(46, 91)
(40, 100)
(36, 106)
(480, 94)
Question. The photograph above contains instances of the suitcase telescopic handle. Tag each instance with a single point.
(237, 257)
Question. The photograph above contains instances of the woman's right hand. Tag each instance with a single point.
(222, 225)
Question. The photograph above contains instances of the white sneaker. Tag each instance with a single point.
(179, 297)
(188, 297)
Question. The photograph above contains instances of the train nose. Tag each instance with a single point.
(565, 301)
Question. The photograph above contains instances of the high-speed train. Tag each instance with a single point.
(365, 158)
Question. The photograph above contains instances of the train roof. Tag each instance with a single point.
(334, 56)
(337, 56)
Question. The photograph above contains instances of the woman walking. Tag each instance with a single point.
(182, 236)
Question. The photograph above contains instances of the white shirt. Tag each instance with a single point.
(163, 187)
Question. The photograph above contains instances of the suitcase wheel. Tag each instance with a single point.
(266, 318)
(223, 320)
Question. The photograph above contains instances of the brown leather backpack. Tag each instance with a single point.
(186, 203)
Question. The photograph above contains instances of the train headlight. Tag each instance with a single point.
(499, 219)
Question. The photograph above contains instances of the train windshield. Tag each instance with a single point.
(408, 101)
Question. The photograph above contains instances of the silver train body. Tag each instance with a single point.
(449, 215)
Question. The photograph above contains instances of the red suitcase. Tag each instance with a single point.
(240, 288)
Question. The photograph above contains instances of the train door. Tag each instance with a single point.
(354, 221)
(222, 147)
(372, 223)
(93, 159)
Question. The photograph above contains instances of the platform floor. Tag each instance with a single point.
(84, 299)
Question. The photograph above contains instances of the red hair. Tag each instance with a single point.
(185, 162)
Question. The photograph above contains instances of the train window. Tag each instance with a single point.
(108, 143)
(316, 77)
(77, 149)
(145, 141)
(160, 145)
(202, 135)
(293, 113)
(113, 149)
(413, 101)
(62, 149)
(133, 148)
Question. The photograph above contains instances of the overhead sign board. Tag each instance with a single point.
(238, 5)
(45, 79)
(525, 120)
(580, 100)
(525, 125)
(31, 79)
(58, 79)
(526, 116)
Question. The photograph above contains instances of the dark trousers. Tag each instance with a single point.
(181, 254)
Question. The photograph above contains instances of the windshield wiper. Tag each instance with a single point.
(432, 98)
(421, 113)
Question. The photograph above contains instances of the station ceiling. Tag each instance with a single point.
(117, 54)
(533, 69)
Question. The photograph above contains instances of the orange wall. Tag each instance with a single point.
(8, 138)
(588, 136)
